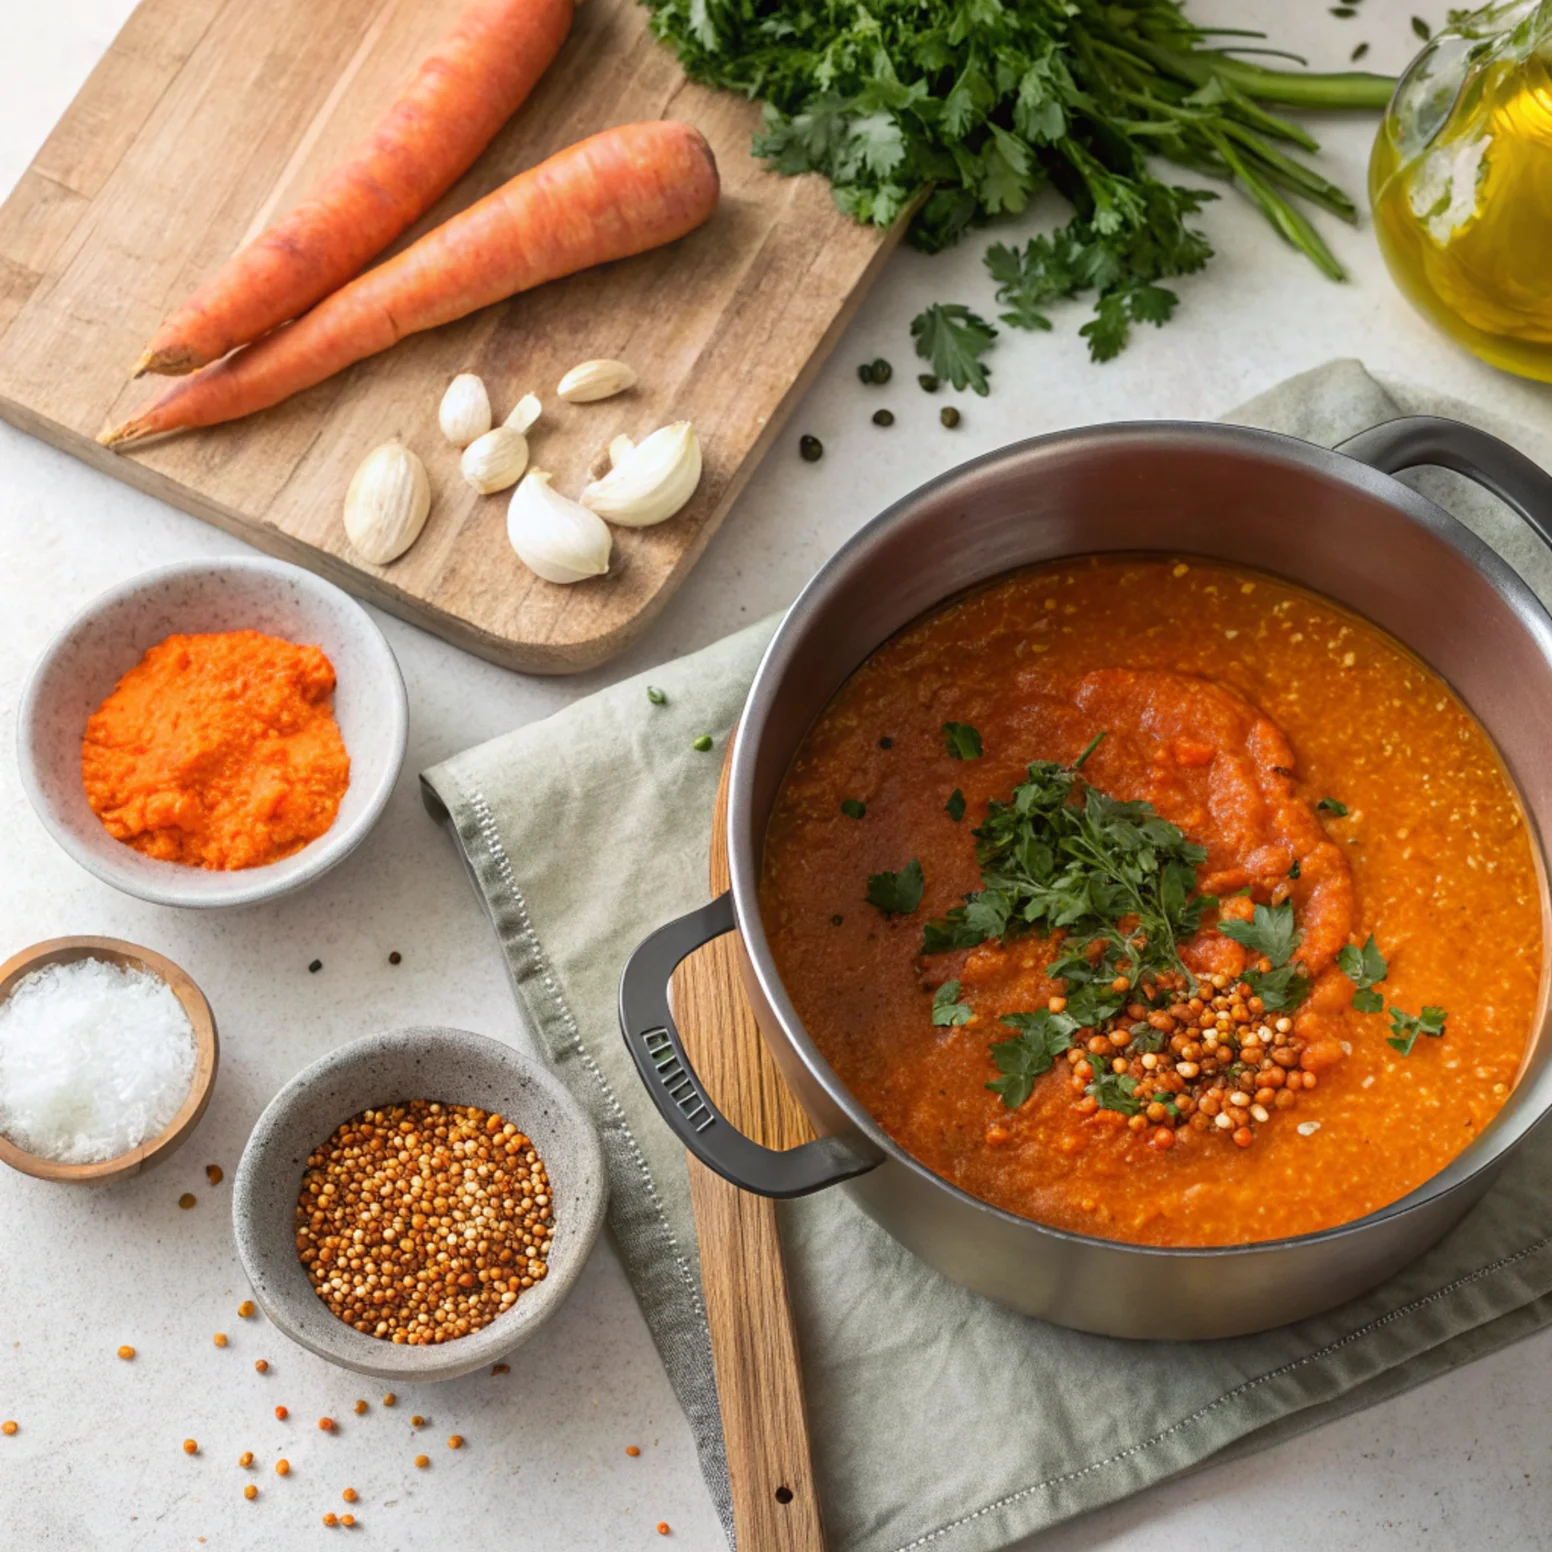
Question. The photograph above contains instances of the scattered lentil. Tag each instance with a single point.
(282, 1413)
(633, 1450)
(213, 1174)
(390, 1399)
(250, 1492)
(190, 1447)
(262, 1365)
(865, 372)
(422, 1461)
(928, 382)
(656, 696)
(246, 1458)
(455, 1441)
(417, 1421)
(380, 1220)
(662, 1527)
(882, 371)
(326, 1424)
(359, 1409)
(282, 1467)
(349, 1495)
(810, 449)
(245, 1309)
(501, 1368)
(126, 1353)
(219, 1339)
(187, 1200)
(8, 1428)
(331, 1519)
(347, 1520)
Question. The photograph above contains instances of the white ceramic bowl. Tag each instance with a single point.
(451, 1066)
(84, 662)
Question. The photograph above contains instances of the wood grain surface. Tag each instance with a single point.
(208, 118)
(753, 1340)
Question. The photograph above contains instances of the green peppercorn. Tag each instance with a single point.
(929, 382)
(882, 371)
(656, 696)
(883, 417)
(949, 416)
(865, 372)
(702, 744)
(810, 449)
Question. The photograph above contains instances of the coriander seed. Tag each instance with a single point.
(928, 382)
(949, 416)
(882, 371)
(865, 372)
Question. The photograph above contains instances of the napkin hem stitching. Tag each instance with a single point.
(1230, 1395)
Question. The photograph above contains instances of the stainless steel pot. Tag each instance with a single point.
(1335, 522)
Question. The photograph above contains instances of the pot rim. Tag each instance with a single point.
(1491, 1145)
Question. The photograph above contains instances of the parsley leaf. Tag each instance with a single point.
(1042, 1037)
(1331, 806)
(1405, 1027)
(897, 894)
(964, 743)
(1270, 932)
(947, 1010)
(1116, 1091)
(954, 339)
(955, 807)
(1365, 967)
(1280, 989)
(853, 808)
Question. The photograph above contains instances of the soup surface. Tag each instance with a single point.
(1326, 824)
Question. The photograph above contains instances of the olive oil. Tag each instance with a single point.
(1461, 185)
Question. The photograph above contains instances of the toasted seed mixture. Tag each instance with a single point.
(421, 1222)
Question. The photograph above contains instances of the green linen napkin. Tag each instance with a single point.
(939, 1419)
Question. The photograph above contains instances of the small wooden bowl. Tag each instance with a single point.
(59, 951)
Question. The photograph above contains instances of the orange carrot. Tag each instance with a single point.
(461, 94)
(608, 197)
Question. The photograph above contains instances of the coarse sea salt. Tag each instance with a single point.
(94, 1060)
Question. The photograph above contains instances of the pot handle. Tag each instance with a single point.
(653, 1041)
(1450, 444)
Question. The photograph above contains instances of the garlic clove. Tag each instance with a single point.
(620, 449)
(650, 482)
(554, 536)
(495, 460)
(594, 380)
(387, 503)
(524, 413)
(464, 413)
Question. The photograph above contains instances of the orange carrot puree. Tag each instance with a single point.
(218, 751)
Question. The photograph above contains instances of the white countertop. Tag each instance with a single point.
(98, 1462)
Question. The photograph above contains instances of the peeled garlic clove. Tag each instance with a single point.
(525, 412)
(465, 410)
(554, 536)
(620, 449)
(651, 481)
(387, 503)
(495, 460)
(595, 380)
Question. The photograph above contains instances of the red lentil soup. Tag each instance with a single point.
(1316, 763)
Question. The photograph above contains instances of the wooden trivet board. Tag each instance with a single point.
(208, 118)
(753, 1340)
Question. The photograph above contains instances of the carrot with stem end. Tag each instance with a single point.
(613, 195)
(449, 111)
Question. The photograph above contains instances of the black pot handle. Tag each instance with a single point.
(1450, 444)
(648, 1027)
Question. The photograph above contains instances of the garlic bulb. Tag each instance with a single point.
(495, 460)
(524, 413)
(387, 503)
(594, 380)
(465, 410)
(650, 481)
(554, 536)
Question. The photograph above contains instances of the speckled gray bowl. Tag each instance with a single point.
(84, 662)
(454, 1067)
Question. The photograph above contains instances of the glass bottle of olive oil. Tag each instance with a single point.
(1461, 184)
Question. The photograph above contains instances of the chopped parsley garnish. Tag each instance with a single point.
(955, 807)
(1293, 872)
(1331, 806)
(1365, 968)
(953, 339)
(947, 1010)
(1405, 1028)
(1062, 854)
(1116, 1091)
(1271, 933)
(1042, 1037)
(964, 743)
(897, 894)
(853, 808)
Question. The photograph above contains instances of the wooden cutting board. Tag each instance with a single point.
(748, 1308)
(206, 119)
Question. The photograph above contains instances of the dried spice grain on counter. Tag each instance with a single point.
(218, 751)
